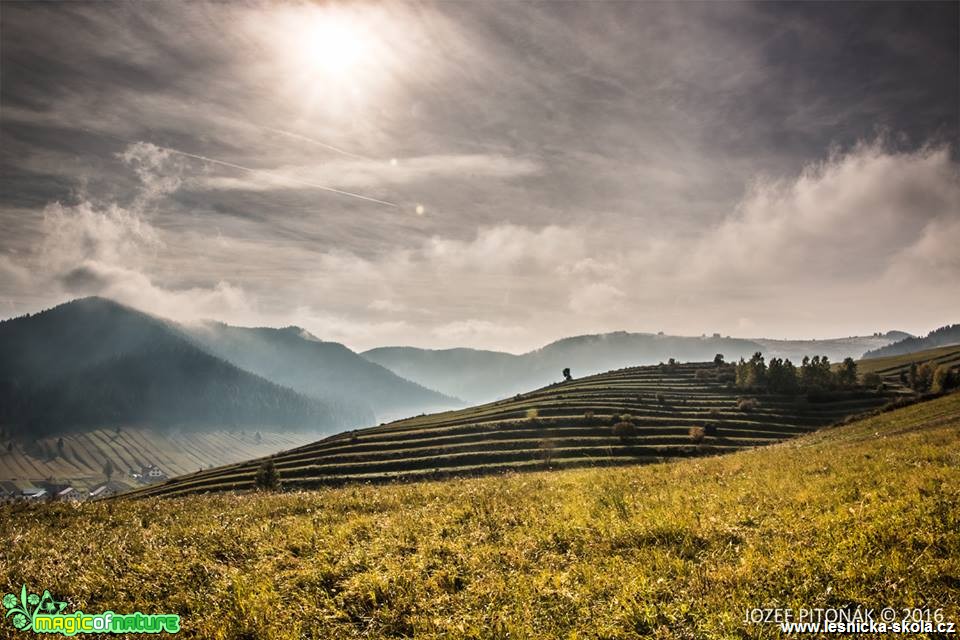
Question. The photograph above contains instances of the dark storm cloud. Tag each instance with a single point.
(560, 156)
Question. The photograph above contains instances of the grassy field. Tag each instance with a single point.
(867, 513)
(561, 426)
(890, 367)
(81, 460)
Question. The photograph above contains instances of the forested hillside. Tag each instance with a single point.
(94, 363)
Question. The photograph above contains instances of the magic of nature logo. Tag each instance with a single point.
(45, 614)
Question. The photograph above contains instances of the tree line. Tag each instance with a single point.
(780, 375)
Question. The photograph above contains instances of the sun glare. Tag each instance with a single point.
(336, 44)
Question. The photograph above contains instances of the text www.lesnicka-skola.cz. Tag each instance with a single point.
(854, 620)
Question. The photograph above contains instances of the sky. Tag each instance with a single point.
(492, 175)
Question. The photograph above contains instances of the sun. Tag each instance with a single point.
(336, 44)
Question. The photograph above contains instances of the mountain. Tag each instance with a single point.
(94, 363)
(471, 374)
(325, 370)
(480, 376)
(944, 336)
(834, 348)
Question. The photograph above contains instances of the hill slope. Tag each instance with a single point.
(78, 459)
(481, 376)
(944, 336)
(93, 363)
(325, 370)
(867, 514)
(563, 425)
(890, 367)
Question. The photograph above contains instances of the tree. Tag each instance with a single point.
(624, 430)
(257, 437)
(718, 359)
(752, 374)
(912, 375)
(943, 379)
(547, 448)
(781, 376)
(815, 373)
(847, 375)
(108, 469)
(267, 478)
(924, 377)
(566, 374)
(60, 446)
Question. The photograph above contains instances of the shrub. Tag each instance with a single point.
(703, 374)
(661, 398)
(532, 413)
(872, 379)
(267, 478)
(924, 378)
(588, 415)
(714, 414)
(547, 449)
(943, 379)
(747, 404)
(624, 430)
(712, 429)
(697, 434)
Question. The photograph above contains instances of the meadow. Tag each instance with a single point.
(665, 411)
(866, 514)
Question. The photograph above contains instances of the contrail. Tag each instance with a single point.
(281, 177)
(298, 136)
(232, 165)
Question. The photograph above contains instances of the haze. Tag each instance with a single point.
(494, 174)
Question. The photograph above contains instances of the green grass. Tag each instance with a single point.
(867, 513)
(563, 425)
(891, 366)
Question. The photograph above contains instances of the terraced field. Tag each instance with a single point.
(81, 460)
(891, 367)
(563, 425)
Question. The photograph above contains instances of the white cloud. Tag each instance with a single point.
(354, 173)
(597, 298)
(159, 170)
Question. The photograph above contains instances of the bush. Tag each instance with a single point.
(703, 374)
(872, 379)
(697, 434)
(547, 449)
(532, 414)
(747, 404)
(661, 398)
(624, 430)
(943, 379)
(588, 415)
(267, 478)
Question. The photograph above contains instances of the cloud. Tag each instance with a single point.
(832, 242)
(372, 173)
(667, 163)
(110, 251)
(597, 298)
(840, 220)
(158, 169)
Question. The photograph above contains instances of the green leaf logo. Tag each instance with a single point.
(23, 609)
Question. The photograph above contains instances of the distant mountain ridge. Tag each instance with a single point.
(94, 363)
(328, 371)
(481, 376)
(942, 337)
